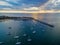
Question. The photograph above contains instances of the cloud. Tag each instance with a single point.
(31, 8)
(6, 9)
(5, 3)
(52, 4)
(21, 4)
(15, 1)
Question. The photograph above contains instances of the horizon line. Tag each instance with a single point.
(29, 11)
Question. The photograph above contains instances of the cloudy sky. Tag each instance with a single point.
(30, 4)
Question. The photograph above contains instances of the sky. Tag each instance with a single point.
(30, 4)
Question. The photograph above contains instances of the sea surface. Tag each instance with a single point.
(30, 32)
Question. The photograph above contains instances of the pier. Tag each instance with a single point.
(24, 18)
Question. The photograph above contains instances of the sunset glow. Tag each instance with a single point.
(24, 11)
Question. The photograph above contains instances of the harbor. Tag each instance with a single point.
(27, 29)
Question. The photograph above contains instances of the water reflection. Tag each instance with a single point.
(31, 32)
(24, 32)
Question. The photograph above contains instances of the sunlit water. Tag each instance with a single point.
(30, 32)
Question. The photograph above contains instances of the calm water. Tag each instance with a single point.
(30, 32)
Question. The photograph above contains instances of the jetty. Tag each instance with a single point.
(24, 18)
